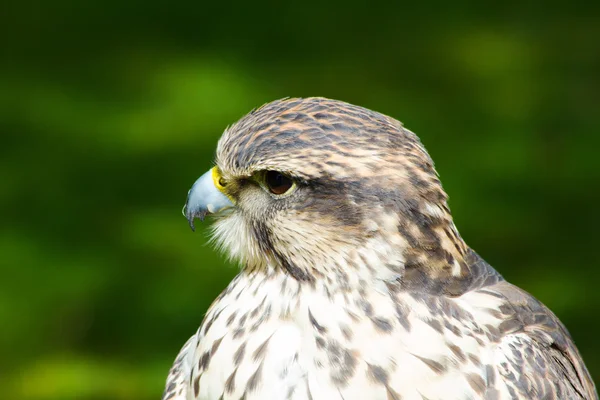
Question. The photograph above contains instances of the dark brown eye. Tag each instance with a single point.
(277, 182)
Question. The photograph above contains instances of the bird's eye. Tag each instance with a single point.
(278, 183)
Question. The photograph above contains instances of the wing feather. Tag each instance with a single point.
(179, 375)
(536, 357)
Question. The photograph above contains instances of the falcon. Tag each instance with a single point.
(355, 283)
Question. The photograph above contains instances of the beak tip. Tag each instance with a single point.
(202, 199)
(191, 215)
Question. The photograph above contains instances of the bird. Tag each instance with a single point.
(355, 282)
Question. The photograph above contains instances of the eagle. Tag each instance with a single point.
(355, 283)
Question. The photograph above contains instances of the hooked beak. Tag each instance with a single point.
(205, 198)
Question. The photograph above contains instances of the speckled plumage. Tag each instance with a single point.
(357, 285)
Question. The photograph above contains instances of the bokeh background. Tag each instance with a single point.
(109, 110)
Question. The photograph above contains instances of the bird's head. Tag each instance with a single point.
(317, 187)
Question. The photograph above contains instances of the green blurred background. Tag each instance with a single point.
(110, 110)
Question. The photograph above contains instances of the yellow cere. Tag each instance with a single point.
(217, 179)
(219, 182)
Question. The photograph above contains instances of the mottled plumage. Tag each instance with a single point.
(355, 282)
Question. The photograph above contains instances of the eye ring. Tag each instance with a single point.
(278, 183)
